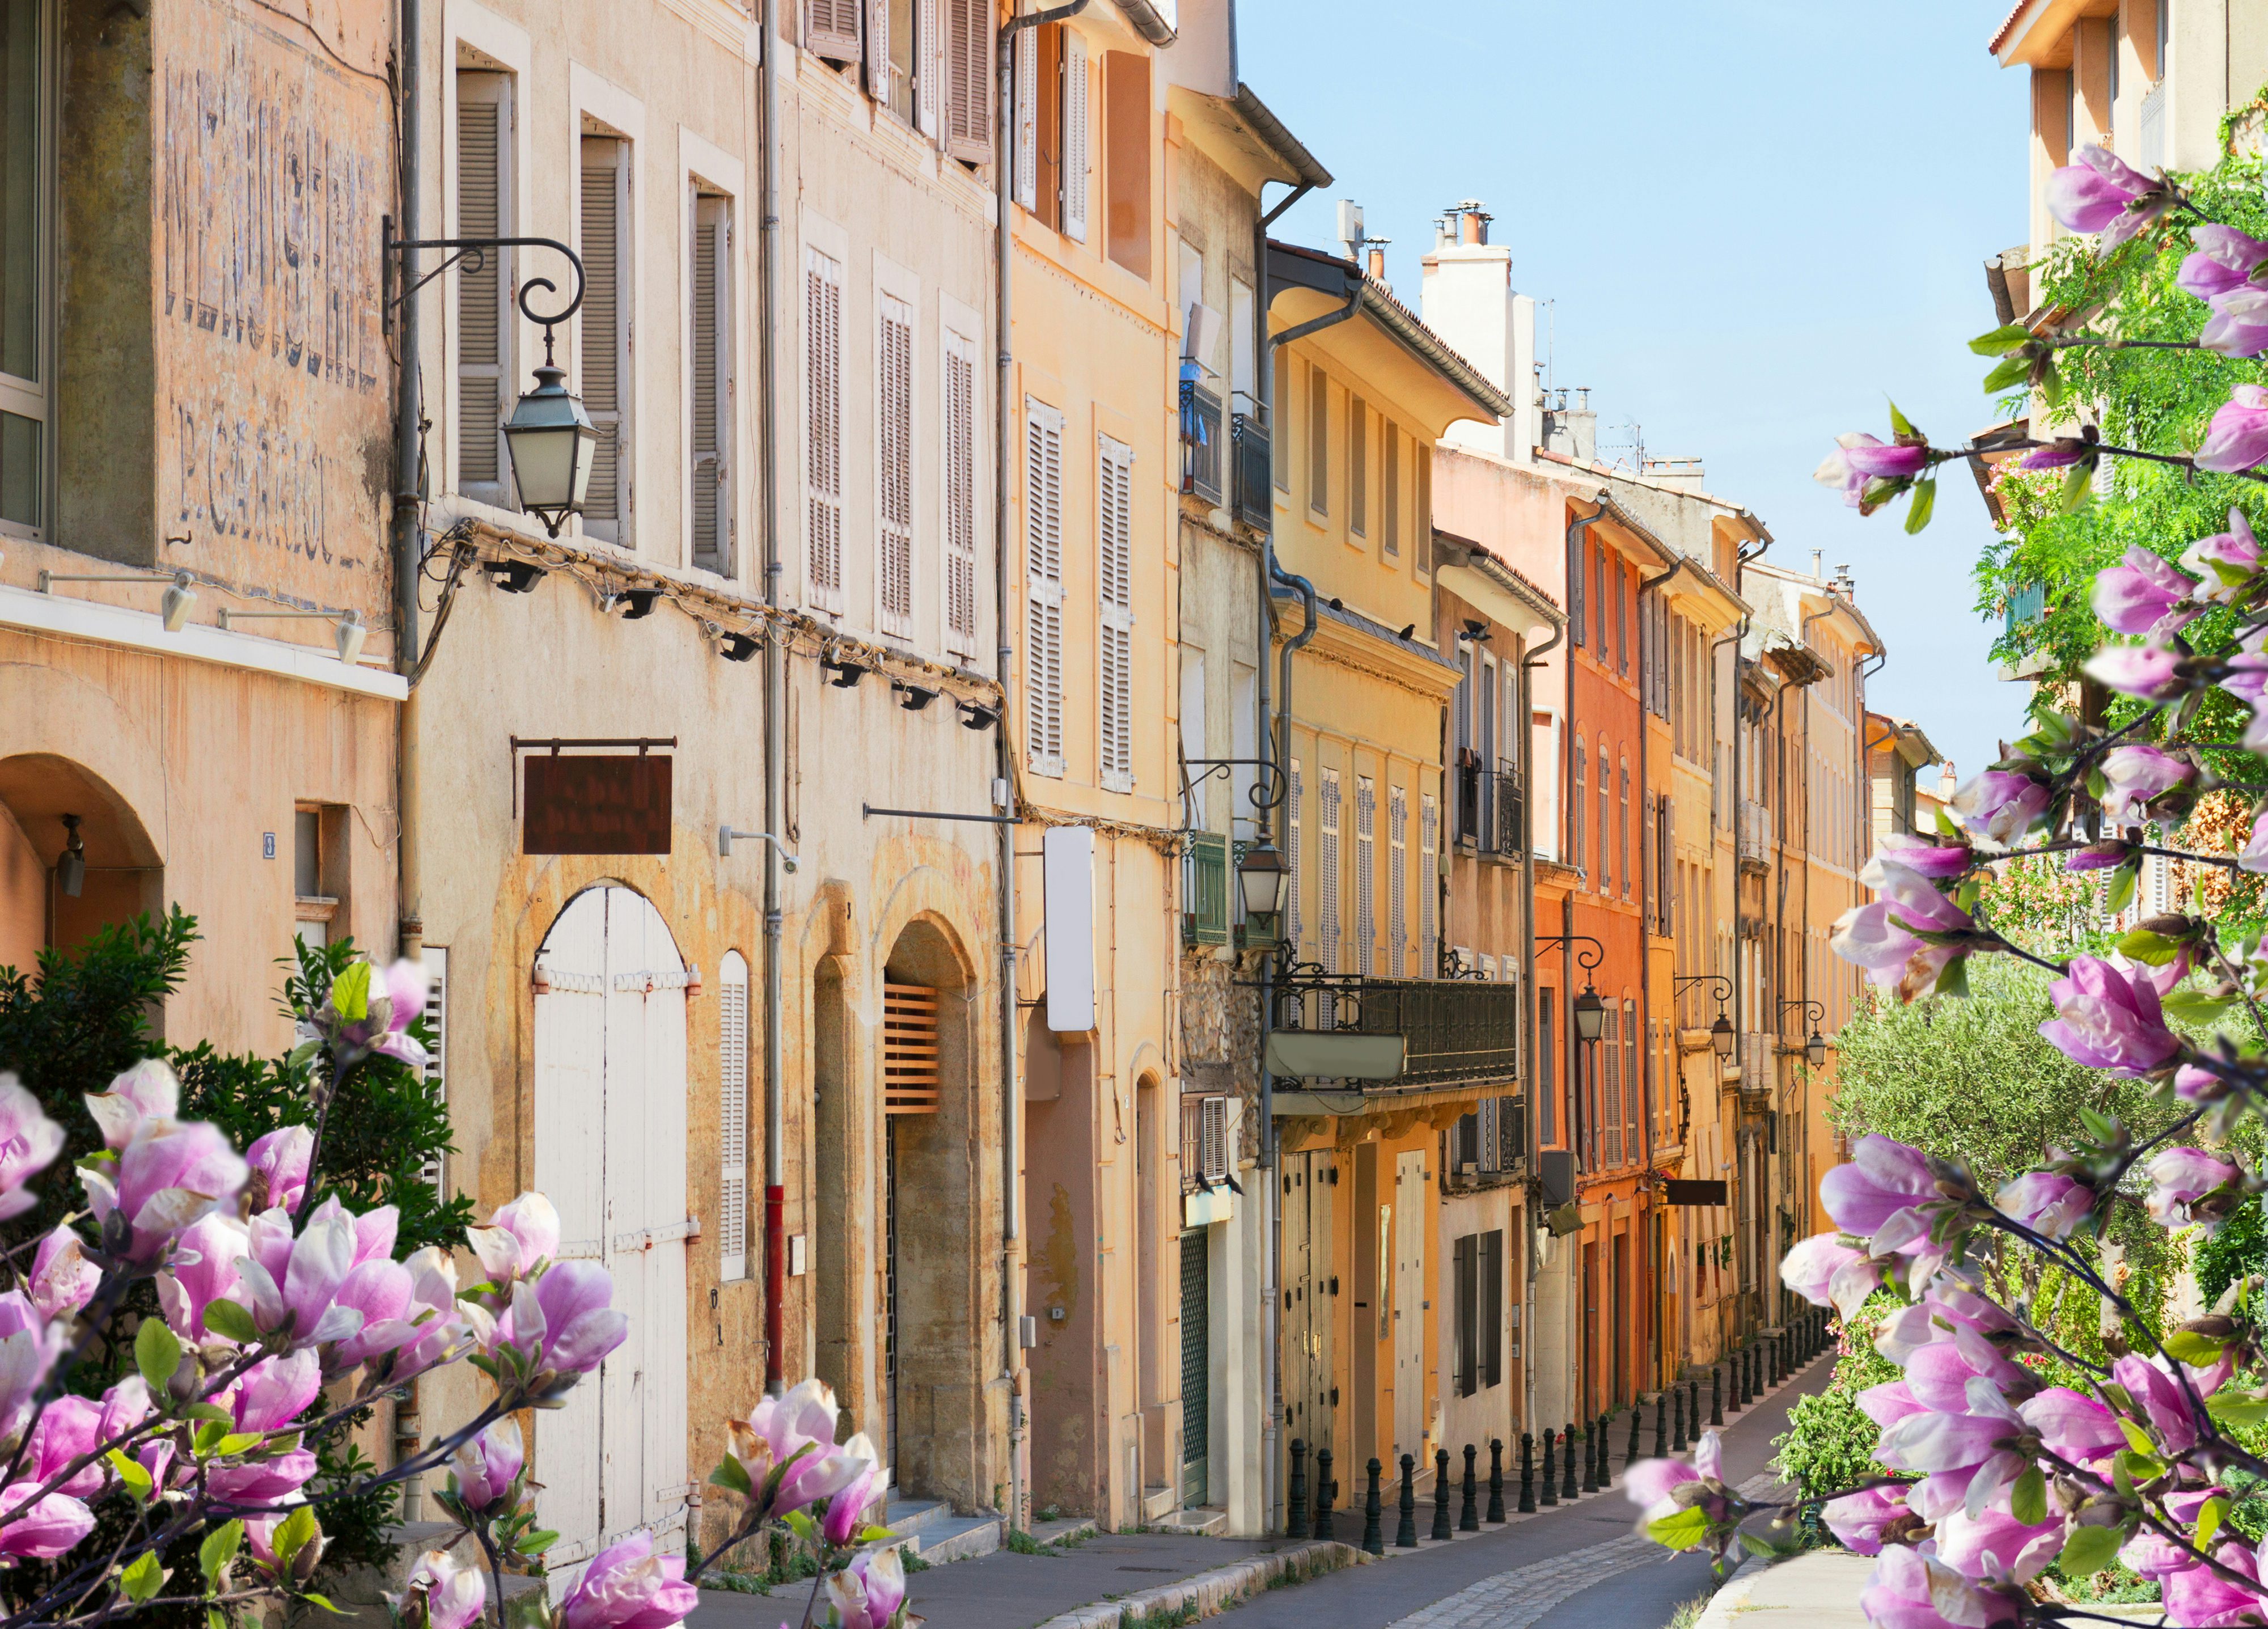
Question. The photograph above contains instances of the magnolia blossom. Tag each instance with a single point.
(629, 1586)
(561, 1326)
(1941, 1308)
(1859, 460)
(1996, 1546)
(29, 1143)
(2148, 671)
(846, 1511)
(482, 1470)
(2073, 1426)
(1999, 805)
(2099, 856)
(1883, 1183)
(41, 1527)
(62, 1279)
(2199, 1597)
(2136, 777)
(2060, 453)
(1910, 1590)
(1938, 1375)
(1937, 859)
(2254, 855)
(363, 1012)
(441, 1327)
(2179, 1177)
(2106, 1019)
(162, 1172)
(28, 1348)
(1859, 1520)
(2145, 596)
(2163, 1400)
(2237, 438)
(519, 1239)
(294, 1283)
(279, 1164)
(442, 1594)
(793, 1436)
(2224, 261)
(2047, 1202)
(866, 1594)
(2156, 1556)
(1986, 1440)
(2101, 193)
(1654, 1484)
(269, 1397)
(147, 1092)
(1882, 936)
(1828, 1273)
(202, 1270)
(2239, 324)
(2225, 562)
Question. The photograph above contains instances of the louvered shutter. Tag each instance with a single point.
(1610, 1117)
(893, 373)
(830, 29)
(1043, 592)
(1491, 1285)
(603, 338)
(711, 335)
(1291, 855)
(1076, 143)
(911, 1082)
(1026, 49)
(732, 1117)
(822, 459)
(1213, 1138)
(436, 961)
(880, 73)
(1327, 873)
(1398, 888)
(959, 496)
(1366, 872)
(1429, 864)
(483, 305)
(1114, 536)
(969, 80)
(929, 67)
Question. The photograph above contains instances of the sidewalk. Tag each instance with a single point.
(1820, 1589)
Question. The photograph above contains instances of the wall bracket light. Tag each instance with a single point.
(347, 635)
(172, 611)
(726, 837)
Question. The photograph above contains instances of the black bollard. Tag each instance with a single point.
(1495, 1479)
(1441, 1528)
(1662, 1424)
(1606, 1455)
(1526, 1472)
(1550, 1470)
(1590, 1460)
(1469, 1517)
(1295, 1510)
(1326, 1491)
(1716, 1395)
(1570, 1489)
(1629, 1453)
(1693, 1408)
(1405, 1535)
(1750, 1384)
(1677, 1419)
(1742, 1395)
(1373, 1530)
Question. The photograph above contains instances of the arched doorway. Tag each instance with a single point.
(74, 857)
(610, 1153)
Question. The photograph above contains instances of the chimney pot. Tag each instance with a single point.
(1472, 227)
(1376, 270)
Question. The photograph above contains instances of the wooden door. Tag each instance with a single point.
(1292, 1259)
(1410, 1213)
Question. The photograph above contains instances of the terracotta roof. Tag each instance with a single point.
(1399, 320)
(2007, 25)
(1502, 564)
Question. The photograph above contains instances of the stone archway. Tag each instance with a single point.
(51, 807)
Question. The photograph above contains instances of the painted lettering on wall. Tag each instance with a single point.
(247, 474)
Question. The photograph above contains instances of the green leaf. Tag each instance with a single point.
(2194, 1007)
(1953, 980)
(207, 1438)
(1900, 425)
(2049, 385)
(2027, 1500)
(2088, 1550)
(537, 1542)
(729, 1475)
(143, 1579)
(293, 1533)
(2188, 1346)
(231, 1321)
(2139, 1467)
(2078, 487)
(208, 1411)
(239, 1443)
(2241, 1409)
(219, 1549)
(2211, 1514)
(351, 992)
(2100, 1127)
(2014, 371)
(156, 1353)
(2138, 1439)
(1925, 500)
(1753, 1545)
(872, 1535)
(1999, 342)
(2118, 890)
(799, 1523)
(2142, 945)
(1680, 1532)
(136, 1480)
(324, 1602)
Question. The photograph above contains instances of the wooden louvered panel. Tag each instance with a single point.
(1429, 852)
(830, 29)
(1077, 144)
(1397, 883)
(1043, 586)
(1327, 875)
(1114, 526)
(969, 80)
(480, 293)
(709, 237)
(1292, 855)
(1026, 134)
(1366, 871)
(960, 494)
(822, 321)
(602, 336)
(881, 77)
(894, 405)
(910, 1081)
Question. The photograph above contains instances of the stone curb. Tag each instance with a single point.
(1726, 1606)
(1214, 1591)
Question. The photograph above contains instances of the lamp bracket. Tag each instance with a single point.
(474, 251)
(1815, 1012)
(1586, 959)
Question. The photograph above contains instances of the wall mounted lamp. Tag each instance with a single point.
(912, 697)
(725, 835)
(738, 647)
(976, 716)
(348, 637)
(70, 865)
(513, 576)
(172, 610)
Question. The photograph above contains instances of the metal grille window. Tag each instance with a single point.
(893, 405)
(1366, 872)
(959, 496)
(733, 1115)
(1429, 864)
(1327, 870)
(605, 335)
(1043, 591)
(1398, 886)
(484, 315)
(1114, 536)
(823, 391)
(711, 326)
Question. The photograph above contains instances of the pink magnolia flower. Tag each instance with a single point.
(2156, 1556)
(793, 1436)
(364, 1012)
(66, 1431)
(1881, 935)
(2060, 453)
(441, 1327)
(2101, 193)
(1882, 1180)
(1828, 1273)
(203, 1271)
(1889, 1403)
(2148, 671)
(2239, 324)
(62, 1279)
(2254, 855)
(2047, 1202)
(1938, 1375)
(295, 1289)
(2136, 777)
(1986, 1438)
(1878, 462)
(2225, 561)
(1941, 1310)
(28, 1348)
(2179, 1177)
(279, 1168)
(2224, 260)
(518, 1240)
(866, 1594)
(2107, 1019)
(2099, 856)
(147, 1092)
(269, 1397)
(2073, 1425)
(1652, 1485)
(482, 1470)
(1936, 859)
(1858, 1520)
(1910, 1590)
(443, 1593)
(2237, 438)
(1995, 1547)
(629, 1586)
(2199, 1597)
(29, 1143)
(561, 1326)
(170, 1175)
(846, 1510)
(2164, 1403)
(2145, 596)
(41, 1527)
(2000, 805)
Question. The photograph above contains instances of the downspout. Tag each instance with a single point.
(1011, 1154)
(1264, 381)
(1733, 819)
(408, 541)
(1651, 862)
(1529, 662)
(776, 705)
(1789, 1181)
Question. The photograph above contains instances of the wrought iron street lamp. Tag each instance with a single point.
(1260, 874)
(1590, 1015)
(1814, 1048)
(1721, 1033)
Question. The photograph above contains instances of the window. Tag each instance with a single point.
(1114, 536)
(25, 235)
(1358, 467)
(1279, 464)
(1605, 872)
(1043, 591)
(1421, 465)
(1621, 618)
(1291, 853)
(1319, 440)
(1366, 872)
(1623, 833)
(319, 866)
(1575, 809)
(910, 47)
(1397, 887)
(1054, 165)
(732, 1117)
(1478, 1281)
(605, 321)
(435, 959)
(1429, 870)
(1578, 628)
(960, 483)
(1633, 1097)
(1328, 867)
(969, 80)
(1126, 159)
(712, 437)
(830, 29)
(893, 462)
(822, 450)
(1610, 1088)
(1547, 1068)
(1390, 448)
(1599, 597)
(484, 313)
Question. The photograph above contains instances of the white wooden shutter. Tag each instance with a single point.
(483, 296)
(1212, 1138)
(878, 73)
(1075, 140)
(1429, 864)
(436, 961)
(960, 494)
(1326, 870)
(822, 451)
(605, 336)
(1043, 592)
(1397, 887)
(711, 295)
(929, 67)
(1366, 871)
(969, 80)
(1026, 49)
(1114, 536)
(733, 1115)
(830, 29)
(893, 462)
(1291, 855)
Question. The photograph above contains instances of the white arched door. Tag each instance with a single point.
(610, 1151)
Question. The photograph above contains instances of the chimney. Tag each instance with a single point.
(1573, 432)
(1947, 784)
(1472, 224)
(1845, 584)
(1376, 270)
(1468, 299)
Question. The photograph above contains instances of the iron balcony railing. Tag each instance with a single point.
(1255, 502)
(1492, 809)
(1201, 448)
(1455, 1031)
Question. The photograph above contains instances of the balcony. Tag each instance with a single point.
(1255, 502)
(1452, 1032)
(1201, 448)
(1492, 811)
(1755, 832)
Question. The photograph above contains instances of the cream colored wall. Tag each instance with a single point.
(24, 885)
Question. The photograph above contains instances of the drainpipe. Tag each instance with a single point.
(1652, 1266)
(1011, 1323)
(1264, 382)
(1529, 662)
(776, 705)
(1733, 819)
(407, 540)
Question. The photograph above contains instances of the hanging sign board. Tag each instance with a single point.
(1334, 1055)
(1067, 862)
(1683, 1192)
(615, 804)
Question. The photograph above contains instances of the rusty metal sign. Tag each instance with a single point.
(1684, 1192)
(616, 804)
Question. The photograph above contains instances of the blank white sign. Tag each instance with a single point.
(1068, 898)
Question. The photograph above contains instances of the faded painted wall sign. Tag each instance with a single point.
(274, 172)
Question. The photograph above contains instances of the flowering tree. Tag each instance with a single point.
(2008, 1448)
(175, 1352)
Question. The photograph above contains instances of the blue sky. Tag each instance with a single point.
(1758, 219)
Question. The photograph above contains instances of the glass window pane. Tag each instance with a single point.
(19, 469)
(19, 187)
